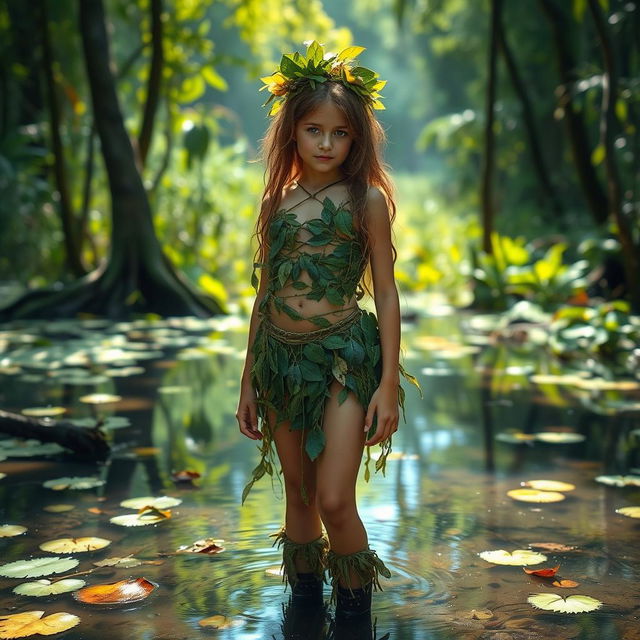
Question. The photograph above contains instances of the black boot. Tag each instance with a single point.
(306, 590)
(353, 603)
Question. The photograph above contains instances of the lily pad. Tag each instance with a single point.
(74, 545)
(221, 622)
(161, 502)
(11, 530)
(559, 437)
(519, 557)
(45, 587)
(31, 623)
(630, 512)
(571, 604)
(76, 482)
(37, 567)
(124, 563)
(100, 398)
(534, 495)
(58, 508)
(620, 481)
(147, 517)
(550, 485)
(42, 412)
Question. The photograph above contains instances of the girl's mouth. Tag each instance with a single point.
(324, 157)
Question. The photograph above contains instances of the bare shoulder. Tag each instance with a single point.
(377, 207)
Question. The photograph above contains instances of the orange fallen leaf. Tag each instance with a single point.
(95, 510)
(185, 476)
(563, 582)
(543, 573)
(153, 512)
(120, 592)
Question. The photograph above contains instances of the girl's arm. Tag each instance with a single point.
(384, 401)
(246, 414)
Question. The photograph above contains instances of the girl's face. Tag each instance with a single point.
(323, 140)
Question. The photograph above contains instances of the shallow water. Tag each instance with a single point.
(442, 502)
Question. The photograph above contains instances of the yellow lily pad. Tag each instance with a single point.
(221, 622)
(74, 545)
(630, 512)
(160, 502)
(10, 530)
(31, 623)
(100, 398)
(519, 557)
(58, 508)
(550, 485)
(43, 412)
(570, 604)
(534, 495)
(559, 437)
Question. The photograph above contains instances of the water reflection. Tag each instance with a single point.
(443, 499)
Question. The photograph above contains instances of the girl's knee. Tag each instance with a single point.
(294, 491)
(335, 508)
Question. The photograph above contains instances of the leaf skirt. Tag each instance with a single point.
(292, 373)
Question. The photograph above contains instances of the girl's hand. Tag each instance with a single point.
(384, 403)
(246, 414)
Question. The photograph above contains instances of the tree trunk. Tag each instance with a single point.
(137, 277)
(576, 130)
(86, 443)
(489, 135)
(154, 83)
(528, 118)
(72, 239)
(630, 252)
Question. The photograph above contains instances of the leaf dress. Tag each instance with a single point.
(292, 371)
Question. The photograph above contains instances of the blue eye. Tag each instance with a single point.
(341, 134)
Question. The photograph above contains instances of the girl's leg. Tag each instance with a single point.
(354, 567)
(337, 472)
(302, 521)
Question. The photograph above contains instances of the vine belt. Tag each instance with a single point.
(300, 337)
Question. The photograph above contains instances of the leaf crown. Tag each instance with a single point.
(297, 71)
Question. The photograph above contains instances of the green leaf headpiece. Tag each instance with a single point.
(315, 67)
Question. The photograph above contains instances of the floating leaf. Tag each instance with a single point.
(570, 380)
(31, 623)
(564, 583)
(10, 530)
(559, 437)
(78, 482)
(620, 481)
(533, 495)
(161, 502)
(542, 573)
(600, 384)
(221, 622)
(37, 567)
(45, 587)
(549, 485)
(207, 546)
(110, 423)
(185, 476)
(124, 563)
(516, 437)
(147, 515)
(274, 572)
(571, 604)
(42, 412)
(123, 591)
(631, 512)
(74, 545)
(58, 508)
(513, 558)
(100, 398)
(551, 546)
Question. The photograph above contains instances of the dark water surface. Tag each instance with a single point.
(442, 502)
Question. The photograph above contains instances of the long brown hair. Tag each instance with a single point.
(362, 169)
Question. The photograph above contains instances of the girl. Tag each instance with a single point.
(321, 374)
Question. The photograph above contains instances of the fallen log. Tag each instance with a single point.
(86, 443)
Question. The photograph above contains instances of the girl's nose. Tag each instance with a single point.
(325, 141)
